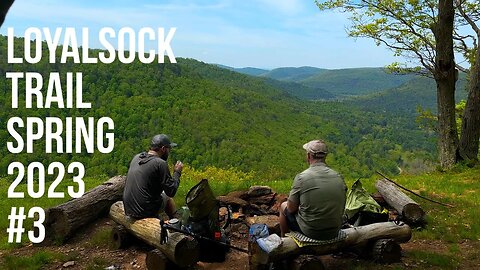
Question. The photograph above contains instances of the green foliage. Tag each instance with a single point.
(405, 99)
(301, 90)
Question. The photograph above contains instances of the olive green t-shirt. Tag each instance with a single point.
(320, 193)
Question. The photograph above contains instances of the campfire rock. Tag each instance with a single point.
(256, 210)
(279, 199)
(256, 191)
(232, 201)
(267, 199)
(242, 194)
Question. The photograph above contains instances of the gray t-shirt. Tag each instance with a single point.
(147, 177)
(320, 193)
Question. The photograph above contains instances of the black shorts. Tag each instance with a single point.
(292, 221)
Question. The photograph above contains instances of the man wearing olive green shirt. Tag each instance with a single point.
(316, 202)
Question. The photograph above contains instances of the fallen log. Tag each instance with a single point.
(62, 221)
(356, 236)
(180, 249)
(408, 208)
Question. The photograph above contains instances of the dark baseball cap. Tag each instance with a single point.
(161, 140)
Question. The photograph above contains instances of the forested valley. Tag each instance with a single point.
(224, 119)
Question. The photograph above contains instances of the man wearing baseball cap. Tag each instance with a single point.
(316, 202)
(149, 185)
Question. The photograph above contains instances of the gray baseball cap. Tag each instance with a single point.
(316, 147)
(161, 140)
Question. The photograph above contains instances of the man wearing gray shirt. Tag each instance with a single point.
(316, 202)
(149, 185)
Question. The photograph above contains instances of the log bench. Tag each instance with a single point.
(181, 250)
(356, 237)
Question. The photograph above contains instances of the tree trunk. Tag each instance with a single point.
(445, 78)
(357, 236)
(408, 208)
(180, 249)
(4, 7)
(470, 135)
(62, 221)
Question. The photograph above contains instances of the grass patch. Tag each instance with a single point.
(426, 258)
(102, 238)
(97, 263)
(457, 188)
(37, 261)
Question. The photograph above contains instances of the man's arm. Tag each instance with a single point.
(170, 184)
(294, 198)
(292, 207)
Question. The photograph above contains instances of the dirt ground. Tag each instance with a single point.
(134, 257)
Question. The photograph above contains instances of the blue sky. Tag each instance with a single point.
(256, 33)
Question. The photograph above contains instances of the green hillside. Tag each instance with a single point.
(219, 118)
(418, 92)
(301, 91)
(355, 81)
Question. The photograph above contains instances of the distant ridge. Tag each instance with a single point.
(313, 83)
(295, 74)
(246, 70)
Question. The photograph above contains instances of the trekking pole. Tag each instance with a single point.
(196, 236)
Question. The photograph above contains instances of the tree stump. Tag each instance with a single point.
(62, 221)
(409, 209)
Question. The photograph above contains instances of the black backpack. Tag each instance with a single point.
(204, 220)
